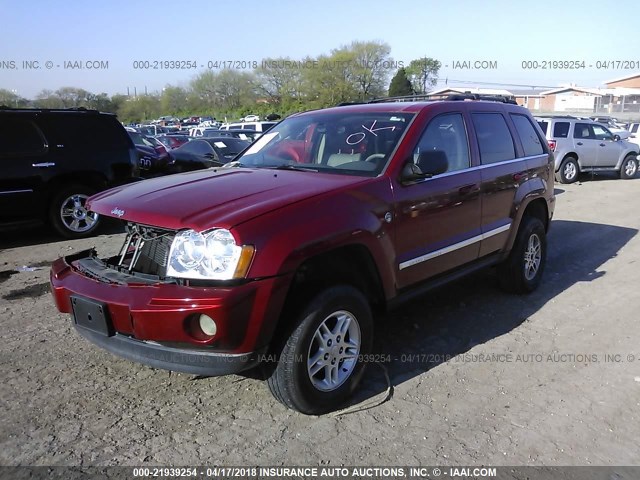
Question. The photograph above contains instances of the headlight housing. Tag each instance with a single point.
(211, 255)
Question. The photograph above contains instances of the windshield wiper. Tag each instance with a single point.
(298, 168)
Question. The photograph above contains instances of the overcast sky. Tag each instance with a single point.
(121, 32)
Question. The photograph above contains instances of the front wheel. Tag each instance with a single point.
(629, 167)
(320, 364)
(68, 214)
(522, 271)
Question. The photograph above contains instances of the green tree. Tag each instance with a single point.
(371, 68)
(12, 99)
(400, 84)
(226, 90)
(423, 73)
(279, 79)
(139, 109)
(48, 99)
(173, 100)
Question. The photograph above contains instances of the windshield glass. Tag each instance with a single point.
(347, 143)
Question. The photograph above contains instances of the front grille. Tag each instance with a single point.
(145, 250)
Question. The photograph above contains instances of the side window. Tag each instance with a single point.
(583, 131)
(530, 139)
(446, 134)
(20, 137)
(634, 127)
(602, 133)
(494, 138)
(561, 130)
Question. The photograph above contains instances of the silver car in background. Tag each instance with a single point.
(582, 145)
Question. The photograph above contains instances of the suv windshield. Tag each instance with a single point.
(347, 143)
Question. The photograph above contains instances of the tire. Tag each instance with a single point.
(292, 382)
(67, 214)
(629, 167)
(522, 271)
(569, 170)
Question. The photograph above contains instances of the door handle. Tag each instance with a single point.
(467, 189)
(603, 144)
(43, 165)
(580, 143)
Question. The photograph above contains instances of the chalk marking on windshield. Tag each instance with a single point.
(362, 135)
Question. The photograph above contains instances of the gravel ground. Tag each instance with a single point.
(476, 376)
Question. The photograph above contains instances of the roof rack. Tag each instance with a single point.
(448, 97)
(71, 109)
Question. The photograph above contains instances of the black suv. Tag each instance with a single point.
(53, 160)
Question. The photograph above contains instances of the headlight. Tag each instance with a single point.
(211, 255)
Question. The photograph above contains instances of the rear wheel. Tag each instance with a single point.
(320, 364)
(68, 214)
(522, 271)
(569, 170)
(629, 167)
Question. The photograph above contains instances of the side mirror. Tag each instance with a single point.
(433, 162)
(429, 163)
(616, 138)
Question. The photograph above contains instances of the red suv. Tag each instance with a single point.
(283, 256)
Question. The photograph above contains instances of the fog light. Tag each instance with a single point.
(207, 325)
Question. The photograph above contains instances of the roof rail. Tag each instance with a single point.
(449, 97)
(35, 109)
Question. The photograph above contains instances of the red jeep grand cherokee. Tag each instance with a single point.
(283, 254)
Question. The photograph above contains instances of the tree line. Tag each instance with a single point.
(352, 73)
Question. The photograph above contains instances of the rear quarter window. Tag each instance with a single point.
(20, 137)
(543, 126)
(101, 132)
(528, 136)
(494, 138)
(561, 130)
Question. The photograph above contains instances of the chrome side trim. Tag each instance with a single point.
(16, 191)
(454, 247)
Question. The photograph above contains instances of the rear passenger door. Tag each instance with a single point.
(24, 167)
(501, 173)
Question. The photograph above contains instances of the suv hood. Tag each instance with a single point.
(213, 198)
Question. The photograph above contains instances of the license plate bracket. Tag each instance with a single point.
(92, 315)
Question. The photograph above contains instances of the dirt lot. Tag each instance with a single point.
(477, 376)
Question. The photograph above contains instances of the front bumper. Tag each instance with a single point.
(197, 362)
(148, 320)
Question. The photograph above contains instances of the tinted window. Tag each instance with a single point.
(582, 130)
(561, 130)
(447, 134)
(228, 148)
(196, 146)
(543, 126)
(494, 138)
(200, 147)
(85, 131)
(634, 127)
(528, 136)
(20, 137)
